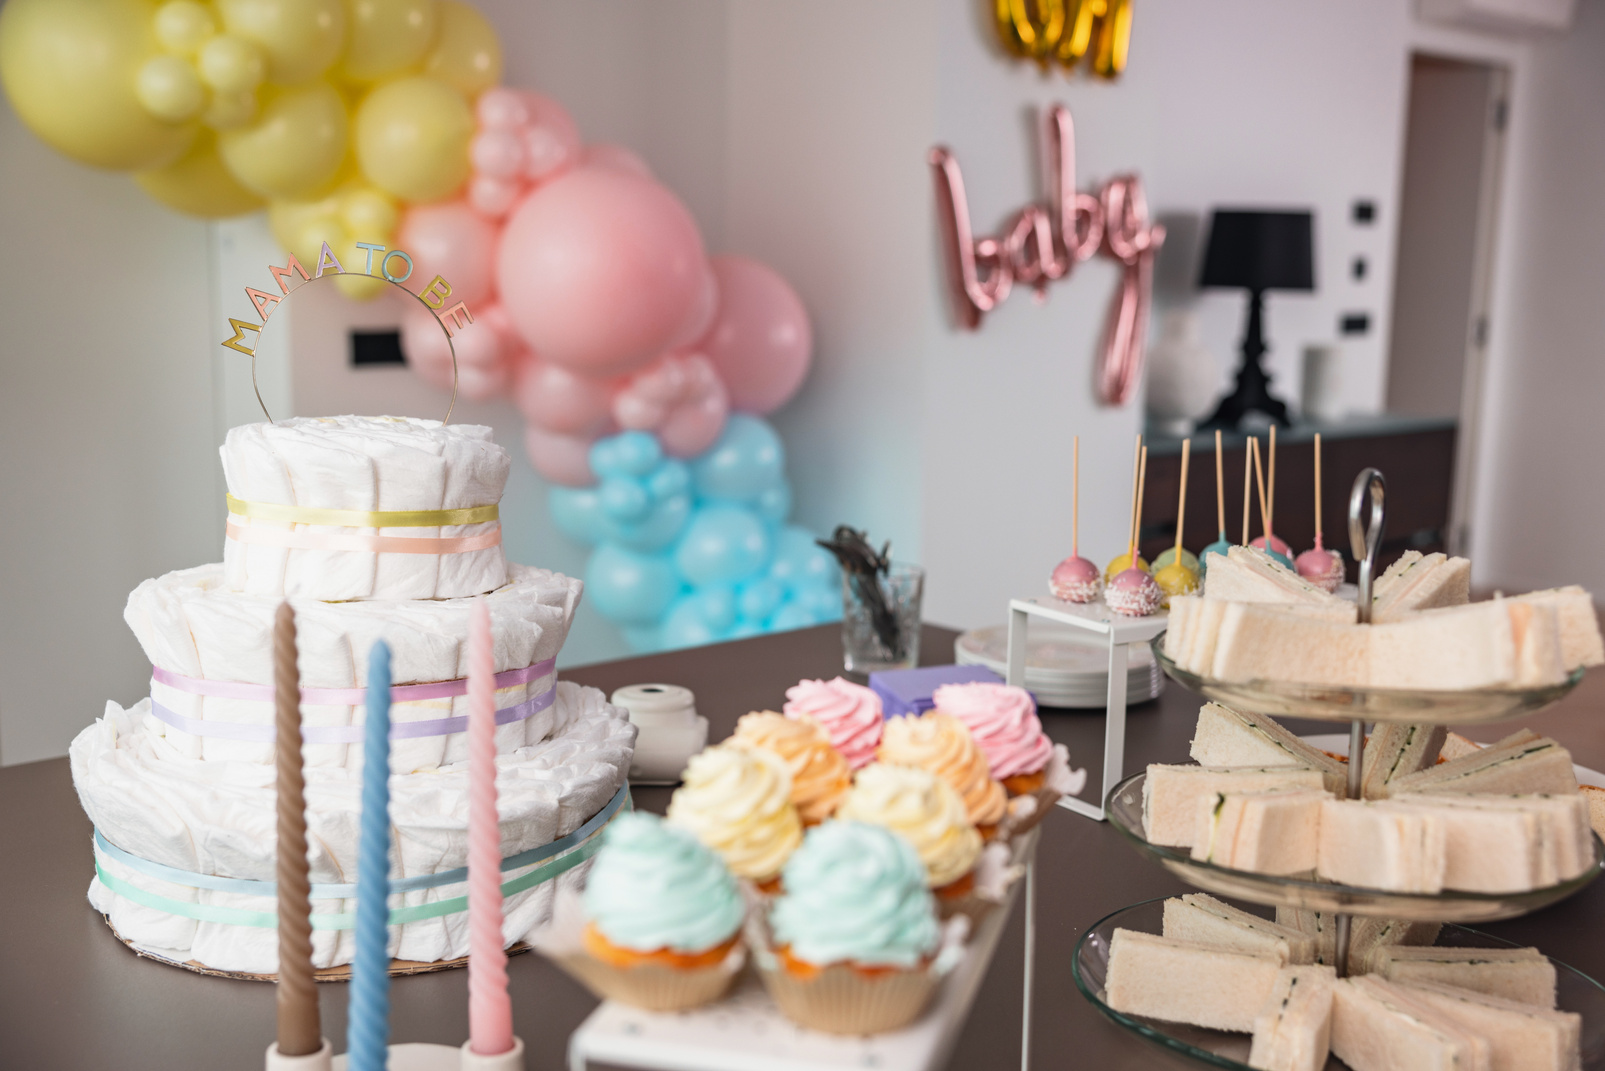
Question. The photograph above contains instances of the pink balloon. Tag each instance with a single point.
(551, 140)
(561, 401)
(493, 197)
(451, 240)
(700, 318)
(614, 158)
(695, 424)
(482, 366)
(760, 340)
(502, 108)
(424, 345)
(600, 270)
(497, 153)
(563, 459)
(680, 398)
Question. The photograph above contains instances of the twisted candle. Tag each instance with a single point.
(368, 1031)
(490, 1013)
(300, 1033)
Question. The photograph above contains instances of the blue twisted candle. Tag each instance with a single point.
(368, 1028)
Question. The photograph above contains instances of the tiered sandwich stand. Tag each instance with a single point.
(1124, 810)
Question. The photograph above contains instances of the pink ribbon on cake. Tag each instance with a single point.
(344, 697)
(301, 539)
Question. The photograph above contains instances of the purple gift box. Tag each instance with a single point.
(909, 691)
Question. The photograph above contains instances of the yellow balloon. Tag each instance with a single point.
(230, 111)
(365, 211)
(183, 26)
(169, 89)
(386, 37)
(71, 67)
(303, 226)
(231, 64)
(198, 184)
(295, 146)
(467, 55)
(302, 38)
(412, 138)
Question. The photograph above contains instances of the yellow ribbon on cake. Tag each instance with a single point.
(359, 518)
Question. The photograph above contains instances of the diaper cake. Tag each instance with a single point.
(372, 528)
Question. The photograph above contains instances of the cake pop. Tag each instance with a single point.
(1268, 542)
(1321, 567)
(1130, 559)
(1176, 577)
(1133, 592)
(1221, 545)
(1075, 579)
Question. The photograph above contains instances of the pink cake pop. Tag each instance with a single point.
(1075, 579)
(1321, 567)
(1133, 592)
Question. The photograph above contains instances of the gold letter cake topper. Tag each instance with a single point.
(433, 297)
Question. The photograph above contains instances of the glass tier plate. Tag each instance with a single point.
(1326, 703)
(1575, 992)
(1125, 814)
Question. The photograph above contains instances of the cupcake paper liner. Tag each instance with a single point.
(995, 873)
(1027, 812)
(840, 1000)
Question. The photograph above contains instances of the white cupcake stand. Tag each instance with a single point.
(1120, 632)
(746, 1032)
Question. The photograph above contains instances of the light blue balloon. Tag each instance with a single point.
(723, 543)
(791, 615)
(758, 599)
(629, 587)
(660, 527)
(624, 500)
(717, 605)
(774, 504)
(822, 603)
(747, 460)
(745, 628)
(643, 639)
(684, 625)
(577, 512)
(800, 563)
(631, 453)
(670, 478)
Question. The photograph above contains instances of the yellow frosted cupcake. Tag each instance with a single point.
(943, 745)
(738, 802)
(819, 774)
(925, 810)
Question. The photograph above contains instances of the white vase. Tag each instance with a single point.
(1183, 378)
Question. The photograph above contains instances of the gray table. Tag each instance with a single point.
(71, 996)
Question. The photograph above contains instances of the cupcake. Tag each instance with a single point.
(819, 774)
(662, 918)
(926, 811)
(849, 713)
(738, 802)
(943, 745)
(854, 935)
(1003, 719)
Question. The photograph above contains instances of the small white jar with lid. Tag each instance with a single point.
(670, 729)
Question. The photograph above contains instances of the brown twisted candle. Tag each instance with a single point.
(300, 1033)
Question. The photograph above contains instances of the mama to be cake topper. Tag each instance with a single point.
(434, 297)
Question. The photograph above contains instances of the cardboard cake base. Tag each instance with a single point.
(398, 967)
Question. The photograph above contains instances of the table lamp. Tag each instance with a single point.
(1256, 251)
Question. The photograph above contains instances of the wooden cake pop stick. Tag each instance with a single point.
(1270, 478)
(1220, 487)
(1136, 519)
(1318, 489)
(1248, 491)
(1136, 473)
(1075, 496)
(1259, 478)
(1181, 505)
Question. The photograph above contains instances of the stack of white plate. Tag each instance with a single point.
(1064, 666)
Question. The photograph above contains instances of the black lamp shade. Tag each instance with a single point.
(1254, 250)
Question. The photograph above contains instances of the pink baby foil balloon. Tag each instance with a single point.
(562, 459)
(558, 400)
(760, 340)
(451, 240)
(600, 270)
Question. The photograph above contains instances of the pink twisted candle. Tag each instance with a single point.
(490, 1013)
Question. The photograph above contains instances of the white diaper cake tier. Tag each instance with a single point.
(374, 528)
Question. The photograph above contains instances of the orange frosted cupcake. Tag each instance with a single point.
(819, 774)
(943, 745)
(1003, 719)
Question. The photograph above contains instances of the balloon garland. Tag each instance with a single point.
(640, 364)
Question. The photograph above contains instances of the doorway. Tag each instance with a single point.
(1448, 203)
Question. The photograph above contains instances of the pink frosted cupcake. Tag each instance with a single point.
(1003, 720)
(849, 713)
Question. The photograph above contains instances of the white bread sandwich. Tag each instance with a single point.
(1595, 796)
(1456, 746)
(1378, 1026)
(1170, 794)
(1495, 644)
(1264, 641)
(1500, 844)
(1580, 641)
(1188, 982)
(1248, 574)
(1366, 937)
(1519, 974)
(1395, 750)
(1276, 832)
(1293, 1032)
(1537, 765)
(1206, 920)
(1378, 845)
(1226, 737)
(1520, 1037)
(1420, 583)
